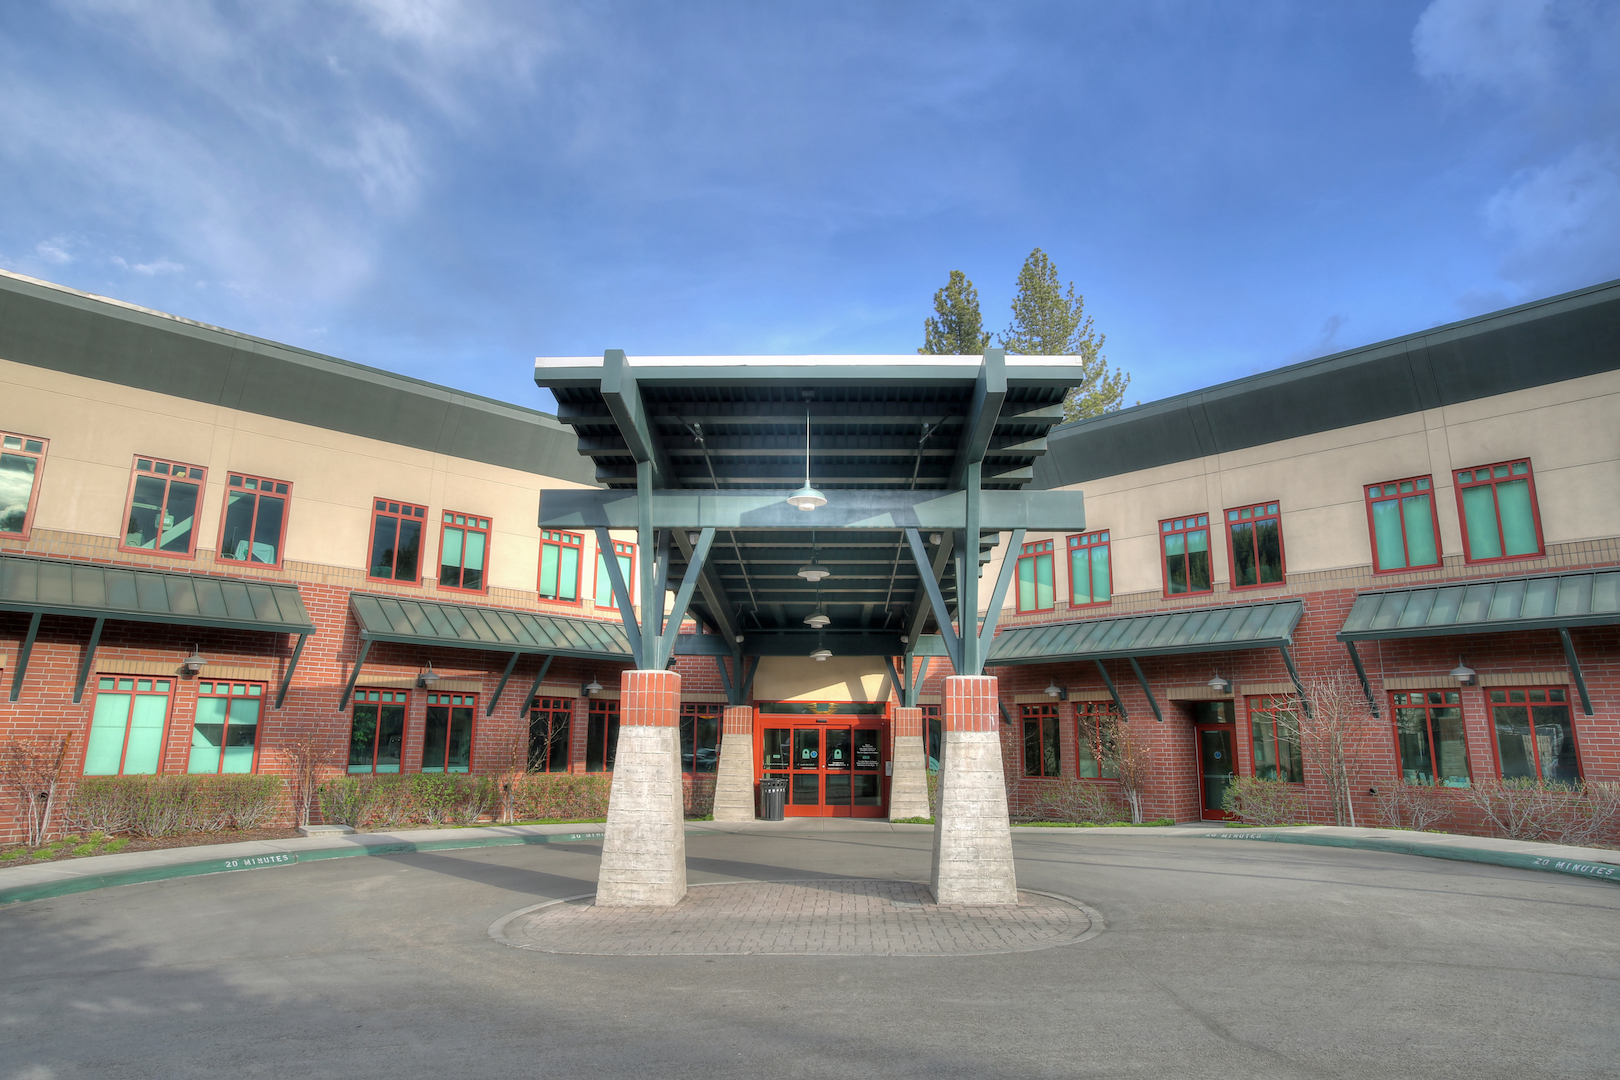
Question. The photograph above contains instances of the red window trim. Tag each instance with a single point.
(1490, 725)
(487, 527)
(168, 719)
(620, 547)
(1231, 552)
(1164, 559)
(696, 709)
(609, 710)
(566, 712)
(472, 734)
(1434, 522)
(371, 537)
(280, 489)
(262, 698)
(1269, 705)
(1535, 509)
(196, 472)
(1075, 542)
(1428, 721)
(1082, 708)
(1034, 550)
(357, 698)
(578, 541)
(39, 472)
(1037, 711)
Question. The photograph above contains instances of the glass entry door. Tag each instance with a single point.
(1217, 768)
(832, 769)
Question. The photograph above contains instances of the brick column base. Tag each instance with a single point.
(644, 848)
(908, 787)
(973, 861)
(734, 784)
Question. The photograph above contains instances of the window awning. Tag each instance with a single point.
(1165, 633)
(1538, 602)
(95, 591)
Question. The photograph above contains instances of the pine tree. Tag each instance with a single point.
(1048, 323)
(959, 330)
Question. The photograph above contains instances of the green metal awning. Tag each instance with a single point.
(96, 591)
(1165, 633)
(410, 621)
(1538, 602)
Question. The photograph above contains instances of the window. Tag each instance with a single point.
(126, 728)
(1094, 718)
(1186, 555)
(1429, 737)
(1090, 578)
(1534, 736)
(1276, 739)
(378, 734)
(255, 520)
(1035, 582)
(934, 734)
(396, 541)
(20, 461)
(601, 735)
(227, 727)
(447, 737)
(700, 736)
(1404, 532)
(549, 721)
(627, 566)
(163, 501)
(1041, 740)
(463, 549)
(559, 564)
(1498, 508)
(1254, 536)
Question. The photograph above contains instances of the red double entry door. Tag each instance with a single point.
(834, 767)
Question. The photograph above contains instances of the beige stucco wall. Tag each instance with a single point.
(842, 678)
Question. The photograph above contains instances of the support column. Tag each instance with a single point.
(908, 788)
(644, 849)
(973, 861)
(734, 783)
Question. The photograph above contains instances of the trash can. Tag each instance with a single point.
(772, 798)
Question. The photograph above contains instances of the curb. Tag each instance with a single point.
(1594, 871)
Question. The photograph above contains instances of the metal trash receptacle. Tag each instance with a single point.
(772, 798)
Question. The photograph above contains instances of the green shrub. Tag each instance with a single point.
(431, 796)
(1265, 802)
(344, 800)
(1079, 802)
(561, 795)
(158, 806)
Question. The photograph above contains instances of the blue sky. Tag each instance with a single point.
(450, 189)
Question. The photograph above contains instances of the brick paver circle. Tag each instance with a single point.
(836, 917)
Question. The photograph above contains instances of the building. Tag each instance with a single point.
(357, 557)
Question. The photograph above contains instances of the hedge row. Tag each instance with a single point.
(383, 802)
(154, 806)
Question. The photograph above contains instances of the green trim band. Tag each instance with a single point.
(1596, 871)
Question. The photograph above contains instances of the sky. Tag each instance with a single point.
(449, 189)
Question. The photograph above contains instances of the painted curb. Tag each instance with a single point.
(1595, 871)
(87, 882)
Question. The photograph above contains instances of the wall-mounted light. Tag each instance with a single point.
(1220, 685)
(591, 687)
(428, 677)
(193, 663)
(1056, 692)
(1463, 673)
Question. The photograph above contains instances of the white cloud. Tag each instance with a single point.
(53, 250)
(1501, 45)
(1562, 221)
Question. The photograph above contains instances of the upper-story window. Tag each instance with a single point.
(1254, 534)
(396, 541)
(1498, 508)
(1186, 555)
(163, 501)
(255, 523)
(1090, 576)
(463, 552)
(1405, 534)
(1036, 588)
(559, 564)
(626, 553)
(21, 458)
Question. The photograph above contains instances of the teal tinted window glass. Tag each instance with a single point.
(208, 734)
(1479, 514)
(450, 557)
(1037, 589)
(363, 738)
(568, 574)
(1101, 591)
(241, 735)
(1518, 523)
(105, 751)
(16, 490)
(1045, 587)
(145, 744)
(1080, 576)
(1389, 545)
(1026, 585)
(550, 563)
(1420, 542)
(1276, 741)
(604, 584)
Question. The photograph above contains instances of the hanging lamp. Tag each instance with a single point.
(807, 497)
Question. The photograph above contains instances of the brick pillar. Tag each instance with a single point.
(908, 788)
(734, 784)
(973, 861)
(644, 849)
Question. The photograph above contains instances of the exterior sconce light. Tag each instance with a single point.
(591, 687)
(192, 664)
(1463, 673)
(1056, 692)
(1220, 685)
(428, 677)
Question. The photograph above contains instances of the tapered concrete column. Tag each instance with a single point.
(644, 849)
(973, 861)
(734, 784)
(908, 788)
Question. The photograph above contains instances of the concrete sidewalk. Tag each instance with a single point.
(62, 877)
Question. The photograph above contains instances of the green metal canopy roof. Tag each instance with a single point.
(467, 626)
(1541, 602)
(95, 591)
(1168, 633)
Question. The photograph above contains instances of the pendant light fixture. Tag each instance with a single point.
(1463, 673)
(813, 571)
(807, 497)
(819, 617)
(820, 654)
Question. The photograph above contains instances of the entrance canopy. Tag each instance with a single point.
(917, 466)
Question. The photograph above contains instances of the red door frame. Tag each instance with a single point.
(1204, 813)
(824, 722)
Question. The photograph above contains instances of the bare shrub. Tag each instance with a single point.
(1265, 802)
(1119, 753)
(1595, 817)
(103, 804)
(1079, 801)
(31, 768)
(306, 757)
(1522, 808)
(1405, 805)
(1334, 733)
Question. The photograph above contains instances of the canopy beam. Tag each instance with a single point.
(1575, 669)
